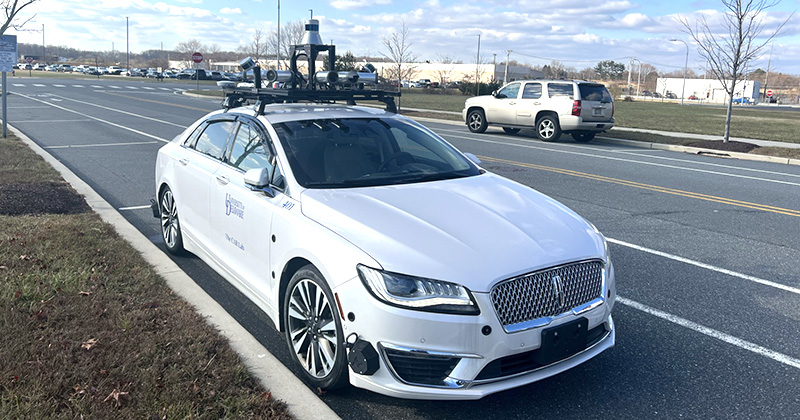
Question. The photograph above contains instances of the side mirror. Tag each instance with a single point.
(494, 93)
(258, 180)
(473, 158)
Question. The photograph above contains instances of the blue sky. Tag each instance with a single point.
(578, 33)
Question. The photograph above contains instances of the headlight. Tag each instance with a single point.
(418, 293)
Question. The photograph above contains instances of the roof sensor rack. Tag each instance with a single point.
(288, 86)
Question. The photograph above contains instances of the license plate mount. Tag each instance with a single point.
(563, 341)
(598, 111)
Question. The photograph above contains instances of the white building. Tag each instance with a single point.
(708, 90)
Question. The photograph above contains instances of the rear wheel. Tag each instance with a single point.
(313, 330)
(170, 225)
(547, 128)
(510, 130)
(583, 137)
(476, 121)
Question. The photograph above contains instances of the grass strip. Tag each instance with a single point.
(91, 332)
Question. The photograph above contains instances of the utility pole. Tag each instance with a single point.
(44, 57)
(494, 65)
(769, 64)
(505, 75)
(477, 68)
(630, 66)
(279, 35)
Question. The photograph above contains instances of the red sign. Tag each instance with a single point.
(769, 94)
(29, 59)
(197, 57)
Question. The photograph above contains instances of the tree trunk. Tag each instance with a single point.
(728, 120)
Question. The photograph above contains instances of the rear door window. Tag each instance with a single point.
(532, 91)
(560, 89)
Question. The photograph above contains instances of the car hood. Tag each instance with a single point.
(473, 231)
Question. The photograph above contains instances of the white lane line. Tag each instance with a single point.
(19, 84)
(121, 111)
(50, 121)
(163, 88)
(710, 332)
(78, 86)
(72, 146)
(132, 87)
(38, 85)
(115, 87)
(59, 86)
(527, 146)
(148, 88)
(135, 207)
(29, 107)
(753, 279)
(97, 87)
(141, 133)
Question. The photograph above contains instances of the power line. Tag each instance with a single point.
(566, 61)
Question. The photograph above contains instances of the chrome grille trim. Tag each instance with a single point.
(535, 299)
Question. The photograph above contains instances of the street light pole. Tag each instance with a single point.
(638, 76)
(477, 68)
(278, 57)
(127, 47)
(44, 56)
(685, 66)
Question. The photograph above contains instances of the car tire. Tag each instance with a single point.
(476, 121)
(547, 128)
(510, 130)
(170, 224)
(583, 137)
(312, 326)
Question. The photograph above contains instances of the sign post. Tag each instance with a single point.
(197, 58)
(8, 57)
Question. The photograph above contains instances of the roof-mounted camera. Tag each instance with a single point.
(295, 85)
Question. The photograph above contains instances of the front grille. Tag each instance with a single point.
(420, 368)
(524, 362)
(539, 294)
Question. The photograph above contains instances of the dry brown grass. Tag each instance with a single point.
(89, 331)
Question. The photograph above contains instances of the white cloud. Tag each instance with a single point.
(358, 4)
(229, 11)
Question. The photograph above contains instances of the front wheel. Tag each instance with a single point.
(583, 137)
(476, 121)
(313, 330)
(170, 225)
(547, 128)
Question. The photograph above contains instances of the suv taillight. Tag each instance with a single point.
(576, 108)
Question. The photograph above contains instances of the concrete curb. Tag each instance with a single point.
(303, 404)
(700, 151)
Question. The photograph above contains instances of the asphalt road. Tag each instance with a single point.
(705, 250)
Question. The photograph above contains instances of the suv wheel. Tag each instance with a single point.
(583, 137)
(476, 121)
(510, 130)
(547, 128)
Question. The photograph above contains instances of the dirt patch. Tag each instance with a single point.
(731, 146)
(42, 198)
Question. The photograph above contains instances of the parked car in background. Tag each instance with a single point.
(670, 95)
(215, 75)
(424, 83)
(454, 84)
(551, 107)
(234, 77)
(647, 93)
(65, 68)
(693, 97)
(657, 95)
(114, 70)
(744, 100)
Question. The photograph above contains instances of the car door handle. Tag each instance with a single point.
(222, 180)
(537, 103)
(512, 103)
(184, 161)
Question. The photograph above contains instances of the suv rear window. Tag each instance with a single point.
(594, 93)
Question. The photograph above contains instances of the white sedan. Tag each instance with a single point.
(389, 259)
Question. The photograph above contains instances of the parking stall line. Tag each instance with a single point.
(113, 124)
(710, 332)
(49, 121)
(72, 146)
(721, 270)
(126, 112)
(135, 207)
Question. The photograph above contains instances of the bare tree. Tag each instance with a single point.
(398, 51)
(12, 9)
(257, 48)
(291, 35)
(185, 49)
(738, 43)
(445, 70)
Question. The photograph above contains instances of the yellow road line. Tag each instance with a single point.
(689, 194)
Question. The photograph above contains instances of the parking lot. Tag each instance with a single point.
(705, 252)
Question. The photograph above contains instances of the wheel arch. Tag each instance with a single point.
(291, 267)
(477, 108)
(543, 113)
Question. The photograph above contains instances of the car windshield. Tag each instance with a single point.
(357, 152)
(594, 93)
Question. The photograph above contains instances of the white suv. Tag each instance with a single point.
(551, 107)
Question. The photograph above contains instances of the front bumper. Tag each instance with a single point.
(459, 346)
